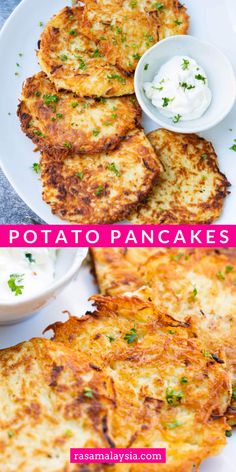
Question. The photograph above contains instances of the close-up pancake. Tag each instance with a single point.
(100, 188)
(163, 385)
(46, 408)
(61, 123)
(117, 270)
(191, 189)
(124, 30)
(196, 283)
(121, 35)
(73, 62)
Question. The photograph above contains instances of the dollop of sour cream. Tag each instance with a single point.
(180, 89)
(25, 272)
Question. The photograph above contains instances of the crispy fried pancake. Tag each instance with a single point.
(117, 270)
(73, 62)
(199, 283)
(100, 188)
(44, 407)
(121, 35)
(164, 387)
(61, 123)
(125, 29)
(191, 189)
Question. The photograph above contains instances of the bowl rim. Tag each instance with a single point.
(176, 128)
(80, 255)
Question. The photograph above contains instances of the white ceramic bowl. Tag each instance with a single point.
(68, 263)
(217, 67)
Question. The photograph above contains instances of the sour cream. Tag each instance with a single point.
(180, 89)
(25, 272)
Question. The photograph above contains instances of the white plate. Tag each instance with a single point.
(74, 298)
(211, 20)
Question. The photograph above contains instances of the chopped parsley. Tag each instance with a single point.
(14, 283)
(96, 132)
(146, 66)
(131, 336)
(36, 167)
(185, 64)
(67, 145)
(39, 133)
(20, 54)
(220, 275)
(204, 157)
(96, 53)
(233, 148)
(133, 4)
(159, 6)
(116, 77)
(74, 104)
(173, 425)
(38, 94)
(64, 57)
(171, 331)
(186, 86)
(69, 433)
(59, 115)
(173, 398)
(166, 101)
(110, 337)
(112, 167)
(10, 434)
(183, 380)
(49, 99)
(82, 65)
(228, 269)
(40, 24)
(136, 56)
(149, 38)
(29, 257)
(73, 32)
(200, 77)
(99, 190)
(178, 22)
(177, 257)
(228, 433)
(17, 64)
(194, 293)
(234, 393)
(176, 119)
(206, 353)
(80, 175)
(88, 392)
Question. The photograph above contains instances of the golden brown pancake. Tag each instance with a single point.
(61, 123)
(191, 189)
(100, 188)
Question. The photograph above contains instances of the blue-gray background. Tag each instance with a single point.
(12, 209)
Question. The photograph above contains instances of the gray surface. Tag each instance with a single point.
(12, 209)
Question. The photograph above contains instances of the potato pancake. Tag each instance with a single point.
(164, 388)
(61, 123)
(124, 30)
(191, 189)
(122, 36)
(100, 188)
(197, 283)
(46, 408)
(117, 270)
(73, 62)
